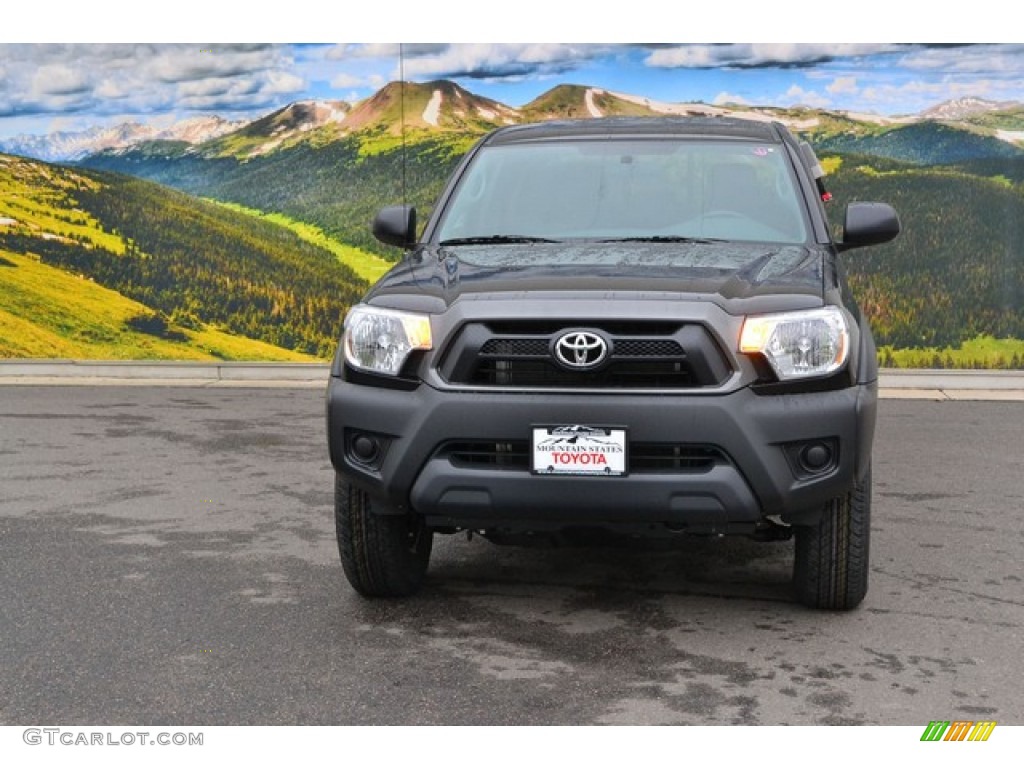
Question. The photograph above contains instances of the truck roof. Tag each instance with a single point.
(724, 127)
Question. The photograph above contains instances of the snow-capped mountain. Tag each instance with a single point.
(74, 145)
(298, 117)
(959, 109)
(437, 105)
(196, 130)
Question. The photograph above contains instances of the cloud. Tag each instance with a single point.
(842, 86)
(277, 81)
(487, 61)
(383, 50)
(58, 80)
(686, 57)
(345, 80)
(919, 94)
(235, 93)
(479, 61)
(355, 84)
(751, 55)
(212, 86)
(107, 80)
(177, 63)
(348, 80)
(110, 89)
(991, 60)
(728, 98)
(798, 96)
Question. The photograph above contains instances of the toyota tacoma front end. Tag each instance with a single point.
(637, 325)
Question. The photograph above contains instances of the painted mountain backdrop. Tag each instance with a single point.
(955, 171)
(444, 106)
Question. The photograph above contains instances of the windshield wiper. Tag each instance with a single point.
(496, 239)
(662, 239)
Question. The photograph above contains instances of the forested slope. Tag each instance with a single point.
(193, 263)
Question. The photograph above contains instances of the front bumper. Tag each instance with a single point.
(754, 433)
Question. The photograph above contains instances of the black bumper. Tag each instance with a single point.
(756, 436)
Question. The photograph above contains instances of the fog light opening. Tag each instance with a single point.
(365, 449)
(815, 457)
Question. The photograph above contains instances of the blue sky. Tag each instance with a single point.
(47, 87)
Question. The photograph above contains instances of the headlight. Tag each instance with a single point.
(380, 340)
(799, 344)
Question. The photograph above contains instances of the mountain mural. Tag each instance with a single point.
(955, 172)
(989, 128)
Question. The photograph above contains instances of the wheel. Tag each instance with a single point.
(830, 568)
(383, 555)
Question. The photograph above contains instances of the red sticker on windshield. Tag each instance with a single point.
(762, 151)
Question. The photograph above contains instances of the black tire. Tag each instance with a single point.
(830, 568)
(383, 555)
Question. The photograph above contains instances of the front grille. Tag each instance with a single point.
(617, 375)
(480, 454)
(633, 348)
(655, 355)
(643, 457)
(662, 457)
(515, 347)
(648, 348)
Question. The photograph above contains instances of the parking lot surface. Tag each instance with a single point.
(169, 557)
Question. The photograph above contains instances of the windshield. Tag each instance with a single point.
(649, 190)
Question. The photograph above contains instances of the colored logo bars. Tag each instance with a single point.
(958, 730)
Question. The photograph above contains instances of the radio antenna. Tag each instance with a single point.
(401, 91)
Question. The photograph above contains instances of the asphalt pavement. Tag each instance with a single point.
(168, 557)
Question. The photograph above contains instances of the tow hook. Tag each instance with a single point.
(769, 530)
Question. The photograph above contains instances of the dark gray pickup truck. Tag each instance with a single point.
(633, 325)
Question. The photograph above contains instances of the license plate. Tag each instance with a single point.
(574, 449)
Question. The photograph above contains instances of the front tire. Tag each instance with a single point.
(830, 568)
(382, 553)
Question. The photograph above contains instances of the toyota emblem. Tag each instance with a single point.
(580, 350)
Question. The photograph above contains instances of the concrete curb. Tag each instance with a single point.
(951, 385)
(160, 373)
(901, 384)
(892, 378)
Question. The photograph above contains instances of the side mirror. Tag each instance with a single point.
(869, 224)
(396, 225)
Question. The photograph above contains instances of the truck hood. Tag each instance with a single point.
(740, 277)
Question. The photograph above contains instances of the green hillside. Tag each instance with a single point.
(337, 187)
(192, 266)
(957, 270)
(1008, 170)
(1005, 119)
(925, 143)
(570, 101)
(366, 265)
(46, 312)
